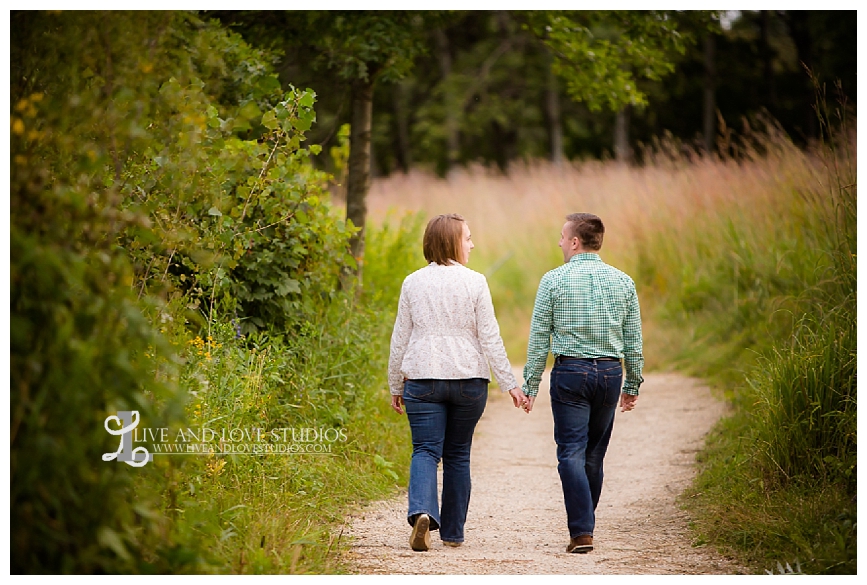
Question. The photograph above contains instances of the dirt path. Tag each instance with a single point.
(517, 523)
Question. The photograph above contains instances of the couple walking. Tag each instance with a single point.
(446, 341)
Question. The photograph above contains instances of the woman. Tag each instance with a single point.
(445, 336)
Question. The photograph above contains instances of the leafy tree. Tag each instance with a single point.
(360, 48)
(364, 47)
(600, 53)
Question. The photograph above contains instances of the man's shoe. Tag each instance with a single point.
(419, 540)
(452, 543)
(580, 544)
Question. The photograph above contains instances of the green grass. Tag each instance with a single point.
(742, 512)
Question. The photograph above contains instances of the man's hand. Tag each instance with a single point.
(397, 403)
(518, 397)
(521, 400)
(627, 402)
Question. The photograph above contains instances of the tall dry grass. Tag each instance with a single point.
(654, 209)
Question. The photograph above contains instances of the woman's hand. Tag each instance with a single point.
(397, 403)
(519, 399)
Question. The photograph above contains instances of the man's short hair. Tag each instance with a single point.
(588, 228)
(442, 238)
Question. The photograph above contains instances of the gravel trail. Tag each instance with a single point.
(516, 523)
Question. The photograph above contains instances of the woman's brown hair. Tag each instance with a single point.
(442, 238)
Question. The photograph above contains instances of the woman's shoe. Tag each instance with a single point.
(419, 540)
(451, 543)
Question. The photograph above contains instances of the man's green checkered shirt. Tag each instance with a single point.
(585, 309)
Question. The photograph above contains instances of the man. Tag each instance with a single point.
(587, 315)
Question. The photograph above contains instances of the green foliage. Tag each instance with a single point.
(499, 72)
(242, 224)
(368, 44)
(79, 352)
(276, 247)
(80, 347)
(601, 53)
(492, 94)
(808, 385)
(158, 174)
(282, 513)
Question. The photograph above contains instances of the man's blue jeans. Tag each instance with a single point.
(442, 416)
(584, 397)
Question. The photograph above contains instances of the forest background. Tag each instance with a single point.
(190, 239)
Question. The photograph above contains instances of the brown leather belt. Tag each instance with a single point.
(565, 358)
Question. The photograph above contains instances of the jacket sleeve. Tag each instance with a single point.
(489, 338)
(399, 342)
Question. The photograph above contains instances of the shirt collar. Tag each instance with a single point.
(585, 257)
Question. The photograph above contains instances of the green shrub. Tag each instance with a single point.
(150, 153)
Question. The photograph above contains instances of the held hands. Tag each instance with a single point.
(521, 400)
(627, 402)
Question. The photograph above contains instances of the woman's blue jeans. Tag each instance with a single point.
(442, 416)
(584, 397)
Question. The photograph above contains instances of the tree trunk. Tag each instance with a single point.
(767, 59)
(358, 181)
(622, 152)
(552, 109)
(502, 144)
(799, 27)
(709, 109)
(404, 154)
(453, 144)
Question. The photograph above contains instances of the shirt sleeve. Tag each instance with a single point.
(488, 332)
(539, 344)
(399, 342)
(633, 359)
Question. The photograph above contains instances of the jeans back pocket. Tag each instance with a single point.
(418, 388)
(474, 388)
(569, 384)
